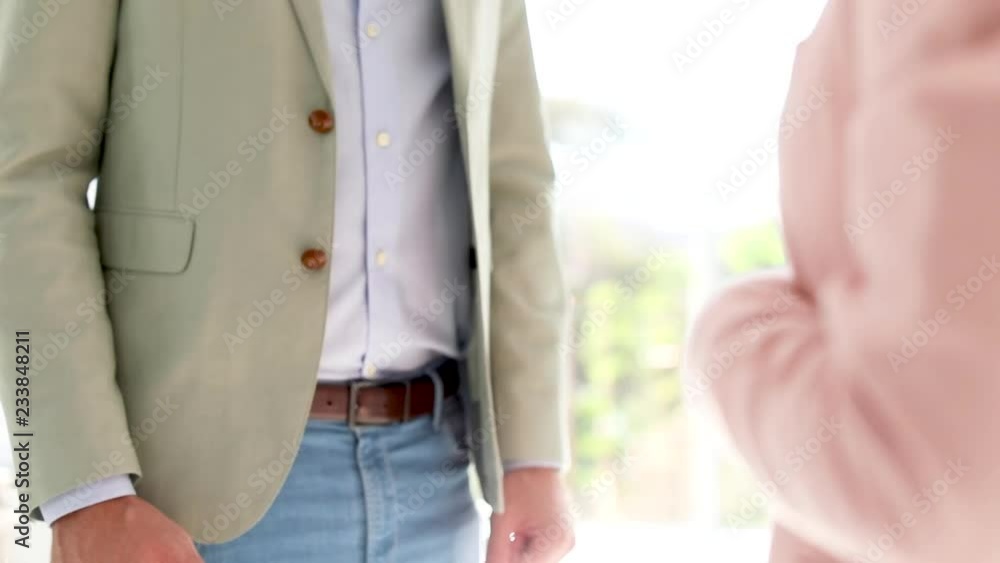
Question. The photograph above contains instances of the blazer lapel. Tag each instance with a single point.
(461, 34)
(310, 16)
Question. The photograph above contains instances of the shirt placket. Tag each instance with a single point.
(382, 206)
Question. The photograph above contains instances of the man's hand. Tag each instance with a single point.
(124, 530)
(538, 519)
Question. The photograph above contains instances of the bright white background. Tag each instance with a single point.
(685, 130)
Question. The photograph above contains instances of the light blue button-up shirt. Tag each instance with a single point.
(399, 290)
(399, 285)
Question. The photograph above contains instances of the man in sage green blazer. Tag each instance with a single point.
(171, 337)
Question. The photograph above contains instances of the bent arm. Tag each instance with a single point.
(874, 398)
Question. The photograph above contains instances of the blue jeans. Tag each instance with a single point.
(376, 494)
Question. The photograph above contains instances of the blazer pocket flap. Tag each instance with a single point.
(144, 241)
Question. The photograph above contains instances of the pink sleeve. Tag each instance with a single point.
(865, 383)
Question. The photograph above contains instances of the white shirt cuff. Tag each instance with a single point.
(509, 466)
(113, 487)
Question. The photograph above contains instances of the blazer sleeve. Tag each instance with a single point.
(55, 64)
(867, 399)
(528, 303)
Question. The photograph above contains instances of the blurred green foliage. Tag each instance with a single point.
(631, 314)
(751, 249)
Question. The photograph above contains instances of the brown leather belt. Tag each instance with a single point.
(366, 403)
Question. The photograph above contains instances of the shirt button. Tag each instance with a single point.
(380, 258)
(370, 370)
(383, 139)
(372, 30)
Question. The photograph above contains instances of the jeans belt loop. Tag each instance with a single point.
(406, 400)
(438, 396)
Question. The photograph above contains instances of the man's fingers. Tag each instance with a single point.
(549, 548)
(500, 549)
(528, 547)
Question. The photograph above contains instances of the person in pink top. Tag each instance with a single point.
(863, 386)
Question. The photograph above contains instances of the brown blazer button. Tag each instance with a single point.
(321, 121)
(314, 259)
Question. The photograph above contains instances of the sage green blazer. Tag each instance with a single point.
(175, 335)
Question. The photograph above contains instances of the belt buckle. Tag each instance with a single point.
(352, 401)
